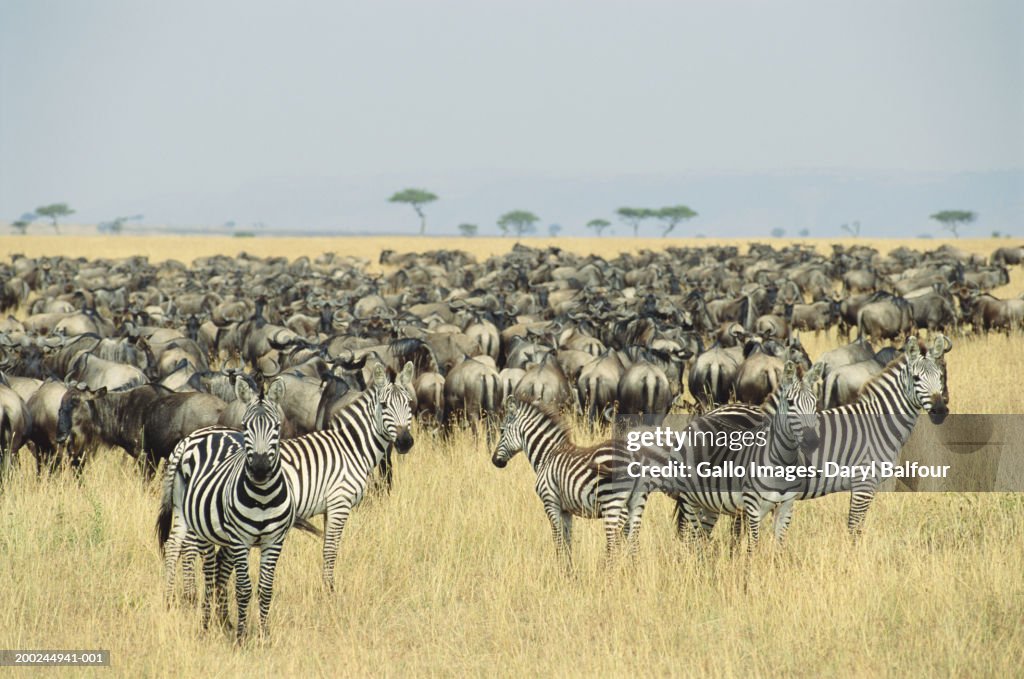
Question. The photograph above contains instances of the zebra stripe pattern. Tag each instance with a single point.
(876, 426)
(328, 471)
(787, 422)
(233, 497)
(571, 480)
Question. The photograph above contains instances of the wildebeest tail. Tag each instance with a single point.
(716, 378)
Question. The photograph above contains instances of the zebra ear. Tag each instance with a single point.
(243, 392)
(380, 377)
(940, 345)
(405, 377)
(789, 373)
(912, 348)
(509, 405)
(275, 392)
(814, 374)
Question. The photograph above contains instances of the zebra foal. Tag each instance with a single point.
(222, 493)
(589, 482)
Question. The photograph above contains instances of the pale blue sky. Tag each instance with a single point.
(308, 114)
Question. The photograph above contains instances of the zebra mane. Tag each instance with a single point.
(871, 386)
(550, 413)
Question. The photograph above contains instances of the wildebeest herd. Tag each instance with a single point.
(289, 381)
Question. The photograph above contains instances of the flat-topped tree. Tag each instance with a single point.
(952, 220)
(672, 216)
(598, 225)
(518, 222)
(417, 198)
(53, 212)
(634, 215)
(21, 224)
(468, 230)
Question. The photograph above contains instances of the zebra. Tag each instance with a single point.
(875, 427)
(776, 435)
(572, 480)
(231, 494)
(328, 471)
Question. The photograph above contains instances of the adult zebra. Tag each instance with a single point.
(588, 482)
(328, 471)
(876, 426)
(231, 494)
(749, 471)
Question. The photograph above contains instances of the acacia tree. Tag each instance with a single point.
(53, 212)
(634, 215)
(21, 224)
(116, 225)
(778, 232)
(518, 222)
(952, 220)
(672, 216)
(417, 198)
(554, 230)
(598, 225)
(852, 228)
(468, 230)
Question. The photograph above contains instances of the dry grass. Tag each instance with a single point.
(454, 573)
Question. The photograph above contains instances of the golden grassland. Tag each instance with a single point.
(184, 248)
(454, 572)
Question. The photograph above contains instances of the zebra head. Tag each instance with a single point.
(796, 405)
(393, 406)
(261, 424)
(926, 377)
(511, 440)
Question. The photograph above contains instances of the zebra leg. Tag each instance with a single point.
(268, 562)
(334, 524)
(689, 527)
(386, 468)
(567, 535)
(172, 550)
(207, 552)
(239, 555)
(224, 568)
(189, 555)
(860, 500)
(558, 533)
(634, 517)
(783, 515)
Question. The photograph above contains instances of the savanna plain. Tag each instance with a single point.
(454, 572)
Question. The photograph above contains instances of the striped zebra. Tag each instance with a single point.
(588, 482)
(233, 495)
(876, 426)
(328, 471)
(776, 435)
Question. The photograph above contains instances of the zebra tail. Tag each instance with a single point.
(164, 516)
(306, 526)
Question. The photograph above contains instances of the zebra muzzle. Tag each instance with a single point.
(404, 441)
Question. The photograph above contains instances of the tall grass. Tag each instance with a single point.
(455, 573)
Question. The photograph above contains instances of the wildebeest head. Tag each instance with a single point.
(76, 420)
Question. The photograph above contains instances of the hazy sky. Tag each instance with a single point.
(303, 113)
